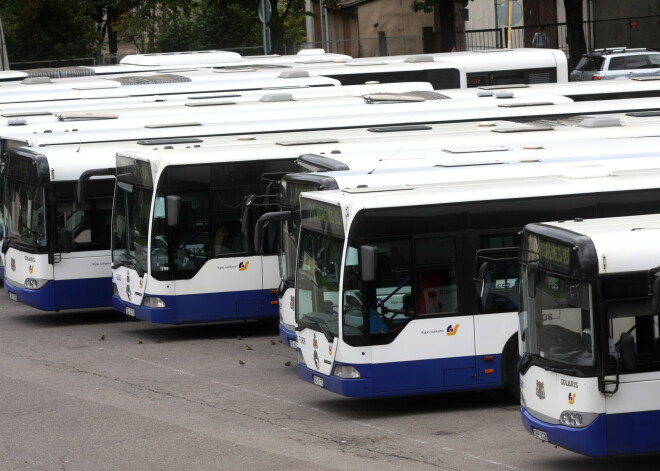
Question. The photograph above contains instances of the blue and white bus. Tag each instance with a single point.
(385, 298)
(590, 371)
(459, 143)
(55, 245)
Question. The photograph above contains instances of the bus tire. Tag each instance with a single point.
(511, 378)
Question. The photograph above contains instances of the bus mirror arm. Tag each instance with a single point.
(260, 226)
(84, 178)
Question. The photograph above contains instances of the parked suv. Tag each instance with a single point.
(617, 63)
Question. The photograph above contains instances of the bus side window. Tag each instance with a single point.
(435, 277)
(435, 288)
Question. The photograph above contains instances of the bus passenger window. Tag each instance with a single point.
(436, 291)
(436, 285)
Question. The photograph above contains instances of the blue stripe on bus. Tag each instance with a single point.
(286, 335)
(56, 295)
(407, 377)
(206, 307)
(588, 440)
(608, 435)
(635, 432)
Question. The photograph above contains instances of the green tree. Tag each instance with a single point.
(49, 29)
(60, 29)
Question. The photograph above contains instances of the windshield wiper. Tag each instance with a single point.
(316, 322)
(572, 371)
(130, 261)
(529, 359)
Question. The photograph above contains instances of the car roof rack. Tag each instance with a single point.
(616, 50)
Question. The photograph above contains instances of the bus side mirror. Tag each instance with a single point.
(173, 209)
(655, 294)
(531, 285)
(484, 275)
(247, 213)
(368, 255)
(66, 241)
(627, 351)
(5, 244)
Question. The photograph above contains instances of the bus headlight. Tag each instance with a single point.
(153, 301)
(347, 372)
(576, 419)
(115, 290)
(34, 283)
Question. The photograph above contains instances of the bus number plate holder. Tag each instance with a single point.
(318, 381)
(12, 296)
(130, 311)
(540, 434)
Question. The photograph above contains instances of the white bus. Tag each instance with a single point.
(590, 369)
(577, 91)
(385, 299)
(490, 67)
(461, 143)
(168, 61)
(31, 113)
(471, 68)
(169, 85)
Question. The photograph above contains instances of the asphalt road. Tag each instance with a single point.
(99, 391)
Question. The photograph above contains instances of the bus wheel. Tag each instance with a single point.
(510, 367)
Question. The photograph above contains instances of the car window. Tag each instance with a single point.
(637, 62)
(654, 59)
(617, 63)
(590, 64)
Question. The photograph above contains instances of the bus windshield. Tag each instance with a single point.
(318, 268)
(289, 201)
(559, 319)
(130, 225)
(24, 203)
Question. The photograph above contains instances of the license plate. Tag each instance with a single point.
(293, 344)
(130, 311)
(540, 434)
(318, 381)
(12, 296)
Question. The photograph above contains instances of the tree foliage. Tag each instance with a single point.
(49, 29)
(59, 29)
